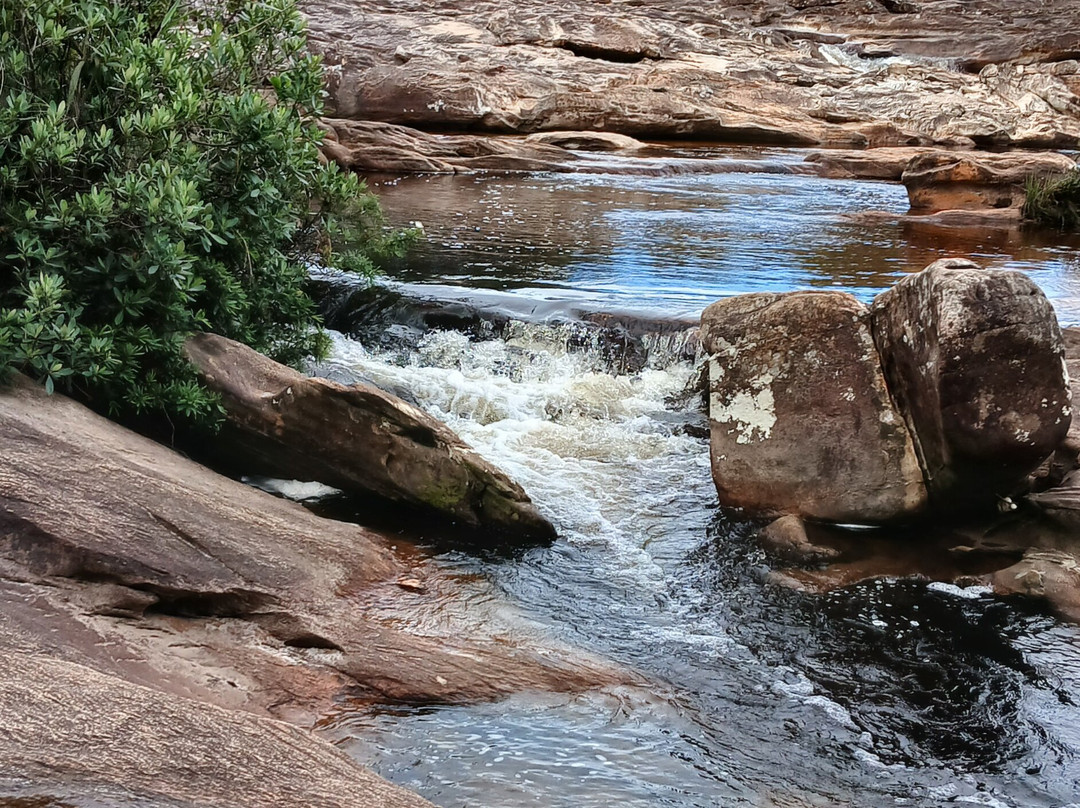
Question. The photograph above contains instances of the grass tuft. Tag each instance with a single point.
(1054, 201)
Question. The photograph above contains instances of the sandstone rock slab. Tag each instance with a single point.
(801, 419)
(119, 554)
(940, 181)
(974, 359)
(69, 733)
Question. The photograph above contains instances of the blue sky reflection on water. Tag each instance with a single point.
(674, 244)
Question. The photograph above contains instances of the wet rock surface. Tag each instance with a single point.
(801, 420)
(940, 181)
(357, 438)
(846, 74)
(975, 361)
(120, 556)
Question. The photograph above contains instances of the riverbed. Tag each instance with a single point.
(886, 693)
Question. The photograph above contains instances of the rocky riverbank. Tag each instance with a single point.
(138, 585)
(854, 75)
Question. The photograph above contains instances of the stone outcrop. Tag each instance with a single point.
(68, 732)
(372, 147)
(356, 438)
(980, 181)
(801, 420)
(844, 74)
(974, 359)
(886, 163)
(119, 554)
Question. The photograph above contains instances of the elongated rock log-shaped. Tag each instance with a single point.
(357, 438)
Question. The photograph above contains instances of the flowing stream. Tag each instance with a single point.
(886, 693)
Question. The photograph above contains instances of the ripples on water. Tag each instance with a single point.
(677, 243)
(886, 693)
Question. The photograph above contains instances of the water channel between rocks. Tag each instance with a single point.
(881, 694)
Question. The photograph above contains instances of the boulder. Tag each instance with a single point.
(356, 438)
(974, 360)
(939, 181)
(68, 732)
(801, 420)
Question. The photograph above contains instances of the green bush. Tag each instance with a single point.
(159, 175)
(1054, 202)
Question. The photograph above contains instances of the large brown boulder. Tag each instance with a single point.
(356, 438)
(974, 359)
(801, 420)
(979, 181)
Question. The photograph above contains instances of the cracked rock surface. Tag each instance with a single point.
(855, 74)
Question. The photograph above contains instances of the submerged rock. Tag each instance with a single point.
(787, 537)
(357, 438)
(975, 361)
(801, 420)
(1052, 576)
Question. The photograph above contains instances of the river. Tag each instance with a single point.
(893, 692)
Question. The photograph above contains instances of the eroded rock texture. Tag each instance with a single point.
(801, 421)
(977, 181)
(845, 73)
(975, 361)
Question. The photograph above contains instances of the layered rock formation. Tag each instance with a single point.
(356, 438)
(137, 587)
(810, 393)
(854, 74)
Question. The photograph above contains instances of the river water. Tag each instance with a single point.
(893, 692)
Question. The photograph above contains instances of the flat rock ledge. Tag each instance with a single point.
(155, 616)
(356, 438)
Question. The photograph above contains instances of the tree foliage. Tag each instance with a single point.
(159, 175)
